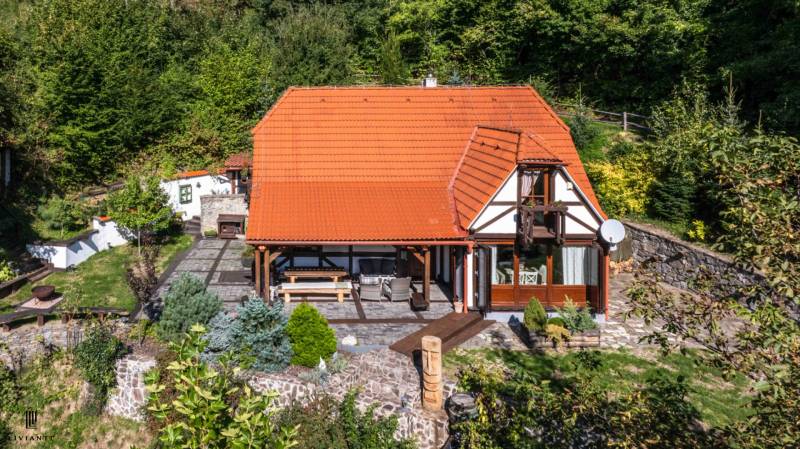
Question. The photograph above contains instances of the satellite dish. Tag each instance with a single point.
(612, 232)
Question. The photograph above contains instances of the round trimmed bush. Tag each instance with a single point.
(535, 318)
(310, 336)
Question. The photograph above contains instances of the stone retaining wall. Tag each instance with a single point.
(23, 344)
(130, 397)
(383, 377)
(674, 259)
(211, 206)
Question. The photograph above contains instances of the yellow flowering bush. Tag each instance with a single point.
(622, 186)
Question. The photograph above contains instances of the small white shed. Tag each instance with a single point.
(186, 188)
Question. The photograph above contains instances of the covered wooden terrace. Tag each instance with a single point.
(426, 261)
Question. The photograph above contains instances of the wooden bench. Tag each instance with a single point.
(314, 288)
(314, 273)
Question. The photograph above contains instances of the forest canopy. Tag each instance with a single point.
(90, 88)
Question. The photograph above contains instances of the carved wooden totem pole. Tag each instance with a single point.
(431, 373)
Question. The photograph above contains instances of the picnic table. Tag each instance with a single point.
(334, 273)
(314, 288)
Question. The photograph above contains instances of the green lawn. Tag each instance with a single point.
(100, 280)
(719, 401)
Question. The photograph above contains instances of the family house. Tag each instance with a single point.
(478, 189)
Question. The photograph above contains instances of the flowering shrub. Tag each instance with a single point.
(622, 186)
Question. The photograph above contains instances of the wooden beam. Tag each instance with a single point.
(258, 272)
(426, 277)
(274, 255)
(267, 274)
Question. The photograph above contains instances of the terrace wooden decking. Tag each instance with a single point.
(454, 328)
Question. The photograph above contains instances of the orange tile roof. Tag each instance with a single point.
(379, 144)
(238, 161)
(190, 174)
(490, 157)
(350, 211)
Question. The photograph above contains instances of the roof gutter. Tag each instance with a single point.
(358, 242)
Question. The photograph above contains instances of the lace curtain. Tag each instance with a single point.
(528, 180)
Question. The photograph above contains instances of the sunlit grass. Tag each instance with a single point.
(719, 401)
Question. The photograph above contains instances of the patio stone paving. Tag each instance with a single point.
(189, 264)
(219, 263)
(211, 243)
(201, 253)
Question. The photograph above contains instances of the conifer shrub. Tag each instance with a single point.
(672, 198)
(218, 339)
(557, 321)
(535, 318)
(260, 332)
(310, 335)
(187, 302)
(576, 320)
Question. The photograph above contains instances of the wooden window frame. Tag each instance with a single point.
(183, 196)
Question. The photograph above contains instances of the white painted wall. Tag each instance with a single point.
(508, 223)
(340, 260)
(201, 185)
(568, 192)
(104, 235)
(564, 191)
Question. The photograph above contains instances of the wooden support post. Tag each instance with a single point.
(432, 373)
(267, 274)
(426, 277)
(606, 279)
(258, 272)
(625, 121)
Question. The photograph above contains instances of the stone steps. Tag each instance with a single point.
(192, 226)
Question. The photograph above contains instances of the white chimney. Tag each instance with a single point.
(429, 81)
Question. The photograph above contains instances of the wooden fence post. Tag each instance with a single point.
(625, 121)
(431, 373)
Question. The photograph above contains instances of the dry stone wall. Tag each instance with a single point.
(211, 206)
(383, 377)
(23, 344)
(674, 259)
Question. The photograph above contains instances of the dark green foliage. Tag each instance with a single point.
(312, 48)
(557, 321)
(9, 102)
(5, 435)
(9, 389)
(584, 134)
(63, 214)
(535, 318)
(96, 357)
(672, 198)
(97, 68)
(393, 69)
(187, 302)
(310, 335)
(260, 331)
(327, 424)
